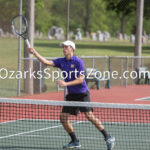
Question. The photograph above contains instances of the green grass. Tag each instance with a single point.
(51, 48)
(90, 48)
(8, 53)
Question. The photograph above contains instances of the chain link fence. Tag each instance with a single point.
(121, 70)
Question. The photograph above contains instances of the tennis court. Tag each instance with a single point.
(34, 124)
(44, 134)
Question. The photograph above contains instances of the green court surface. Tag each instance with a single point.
(32, 134)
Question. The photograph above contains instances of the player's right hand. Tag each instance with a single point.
(31, 50)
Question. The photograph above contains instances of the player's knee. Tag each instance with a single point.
(63, 119)
(89, 116)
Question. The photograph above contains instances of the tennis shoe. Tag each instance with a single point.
(110, 142)
(72, 144)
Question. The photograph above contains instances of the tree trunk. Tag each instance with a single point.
(123, 23)
(67, 19)
(28, 64)
(86, 20)
(139, 28)
(138, 37)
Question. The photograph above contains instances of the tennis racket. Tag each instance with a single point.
(19, 25)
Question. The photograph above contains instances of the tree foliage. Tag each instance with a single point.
(7, 11)
(124, 9)
(146, 23)
(89, 15)
(147, 9)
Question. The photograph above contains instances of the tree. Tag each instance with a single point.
(147, 9)
(98, 16)
(43, 12)
(124, 10)
(146, 24)
(8, 9)
(88, 15)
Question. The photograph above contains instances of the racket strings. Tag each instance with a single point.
(20, 25)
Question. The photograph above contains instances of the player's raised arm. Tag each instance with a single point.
(41, 58)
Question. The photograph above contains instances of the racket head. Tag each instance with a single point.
(19, 25)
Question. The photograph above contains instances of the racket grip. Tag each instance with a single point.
(27, 42)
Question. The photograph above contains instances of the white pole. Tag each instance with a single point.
(67, 35)
(19, 52)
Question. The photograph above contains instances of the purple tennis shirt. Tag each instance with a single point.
(71, 70)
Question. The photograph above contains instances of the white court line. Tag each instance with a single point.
(87, 138)
(143, 99)
(51, 120)
(10, 121)
(17, 134)
(90, 138)
(88, 122)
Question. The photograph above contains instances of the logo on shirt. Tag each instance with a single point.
(72, 65)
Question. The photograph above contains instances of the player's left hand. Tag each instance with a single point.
(61, 83)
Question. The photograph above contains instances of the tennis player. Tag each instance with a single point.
(77, 91)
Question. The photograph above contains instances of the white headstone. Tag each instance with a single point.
(56, 32)
(93, 36)
(59, 34)
(1, 33)
(125, 36)
(132, 38)
(78, 35)
(100, 36)
(106, 36)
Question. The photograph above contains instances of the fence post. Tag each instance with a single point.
(121, 70)
(126, 80)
